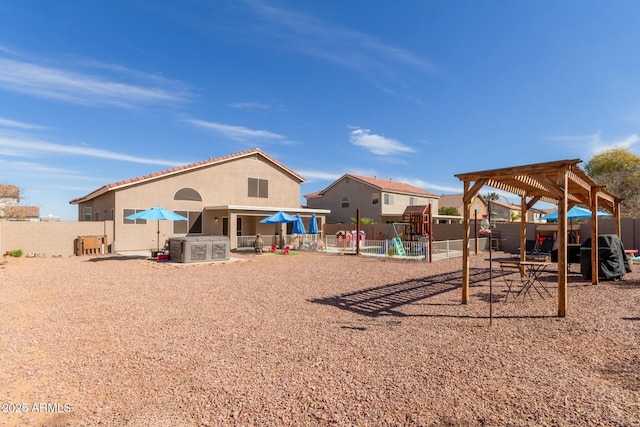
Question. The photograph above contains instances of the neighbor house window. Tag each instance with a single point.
(375, 198)
(86, 213)
(96, 216)
(388, 199)
(258, 188)
(345, 202)
(192, 226)
(127, 212)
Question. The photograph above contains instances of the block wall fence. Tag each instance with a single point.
(58, 238)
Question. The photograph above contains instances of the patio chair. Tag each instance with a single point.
(530, 247)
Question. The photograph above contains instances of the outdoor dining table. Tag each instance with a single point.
(530, 272)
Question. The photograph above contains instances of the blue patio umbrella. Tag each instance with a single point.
(278, 218)
(313, 225)
(575, 212)
(157, 213)
(298, 226)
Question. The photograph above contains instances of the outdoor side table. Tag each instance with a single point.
(528, 276)
(531, 280)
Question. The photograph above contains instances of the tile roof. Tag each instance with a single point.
(20, 212)
(181, 169)
(394, 186)
(451, 201)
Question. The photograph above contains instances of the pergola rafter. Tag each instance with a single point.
(562, 183)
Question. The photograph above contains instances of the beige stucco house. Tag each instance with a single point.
(500, 210)
(478, 205)
(224, 196)
(380, 199)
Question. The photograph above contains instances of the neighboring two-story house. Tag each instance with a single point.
(478, 206)
(224, 196)
(500, 210)
(382, 200)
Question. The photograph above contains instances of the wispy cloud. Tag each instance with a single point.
(315, 175)
(238, 133)
(249, 106)
(436, 188)
(19, 125)
(89, 86)
(20, 147)
(42, 170)
(377, 144)
(333, 43)
(595, 143)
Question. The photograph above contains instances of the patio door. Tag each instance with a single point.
(225, 226)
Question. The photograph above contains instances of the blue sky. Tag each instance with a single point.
(415, 91)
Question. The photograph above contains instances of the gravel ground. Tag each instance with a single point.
(309, 339)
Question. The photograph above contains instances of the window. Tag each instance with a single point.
(96, 216)
(195, 222)
(187, 194)
(388, 199)
(127, 212)
(412, 201)
(86, 213)
(345, 202)
(375, 198)
(258, 188)
(192, 226)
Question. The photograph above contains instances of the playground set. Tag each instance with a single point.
(414, 228)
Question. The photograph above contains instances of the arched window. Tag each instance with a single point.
(345, 202)
(187, 194)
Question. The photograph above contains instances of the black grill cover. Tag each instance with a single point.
(612, 262)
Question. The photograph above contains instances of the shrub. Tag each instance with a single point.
(17, 253)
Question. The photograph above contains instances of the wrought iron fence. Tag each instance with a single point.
(379, 248)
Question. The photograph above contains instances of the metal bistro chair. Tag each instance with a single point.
(513, 276)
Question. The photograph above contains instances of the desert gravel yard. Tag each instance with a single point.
(309, 339)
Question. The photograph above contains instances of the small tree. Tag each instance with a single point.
(448, 210)
(618, 170)
(363, 220)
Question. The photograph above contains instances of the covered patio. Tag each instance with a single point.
(562, 183)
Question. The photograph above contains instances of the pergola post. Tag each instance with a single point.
(562, 246)
(594, 236)
(465, 244)
(523, 228)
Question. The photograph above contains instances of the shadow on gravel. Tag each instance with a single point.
(118, 258)
(386, 299)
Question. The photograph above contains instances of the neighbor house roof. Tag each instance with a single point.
(20, 212)
(451, 201)
(380, 184)
(183, 169)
